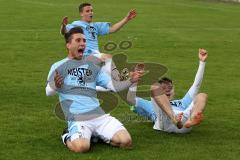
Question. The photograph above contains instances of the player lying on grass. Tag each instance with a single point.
(177, 116)
(94, 29)
(74, 80)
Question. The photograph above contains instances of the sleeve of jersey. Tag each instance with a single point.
(51, 73)
(102, 28)
(72, 25)
(50, 80)
(192, 92)
(103, 79)
(50, 91)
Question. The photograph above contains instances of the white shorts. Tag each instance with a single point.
(102, 89)
(164, 123)
(103, 127)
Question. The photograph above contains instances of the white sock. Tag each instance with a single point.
(111, 69)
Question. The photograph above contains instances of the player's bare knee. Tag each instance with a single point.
(122, 138)
(80, 147)
(106, 56)
(126, 142)
(109, 56)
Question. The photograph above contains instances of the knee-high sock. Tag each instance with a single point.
(111, 69)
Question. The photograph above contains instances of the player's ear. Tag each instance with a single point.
(81, 14)
(68, 45)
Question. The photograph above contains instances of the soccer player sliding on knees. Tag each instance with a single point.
(74, 79)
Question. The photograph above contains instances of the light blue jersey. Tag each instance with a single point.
(78, 93)
(145, 107)
(91, 31)
(181, 104)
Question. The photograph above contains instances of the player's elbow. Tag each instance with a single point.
(113, 30)
(49, 91)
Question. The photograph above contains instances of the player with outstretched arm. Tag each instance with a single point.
(177, 116)
(74, 80)
(94, 29)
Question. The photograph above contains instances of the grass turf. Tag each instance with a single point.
(167, 32)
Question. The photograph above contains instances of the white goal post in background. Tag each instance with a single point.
(232, 1)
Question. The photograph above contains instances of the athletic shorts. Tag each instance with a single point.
(103, 127)
(164, 123)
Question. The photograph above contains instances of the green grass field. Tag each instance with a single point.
(165, 31)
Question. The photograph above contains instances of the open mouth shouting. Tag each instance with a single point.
(80, 51)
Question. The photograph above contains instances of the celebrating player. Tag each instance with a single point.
(94, 29)
(177, 116)
(74, 79)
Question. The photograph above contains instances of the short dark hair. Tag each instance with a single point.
(68, 35)
(165, 80)
(81, 6)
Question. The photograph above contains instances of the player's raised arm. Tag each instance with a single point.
(132, 91)
(117, 26)
(117, 86)
(200, 72)
(63, 25)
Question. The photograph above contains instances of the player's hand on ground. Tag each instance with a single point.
(65, 20)
(58, 79)
(131, 14)
(202, 54)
